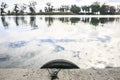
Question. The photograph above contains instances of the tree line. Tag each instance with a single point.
(94, 9)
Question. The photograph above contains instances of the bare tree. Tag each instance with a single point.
(3, 6)
(16, 8)
(49, 7)
(32, 6)
(23, 8)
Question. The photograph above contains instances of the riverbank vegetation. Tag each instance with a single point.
(94, 9)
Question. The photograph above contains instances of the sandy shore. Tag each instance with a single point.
(74, 74)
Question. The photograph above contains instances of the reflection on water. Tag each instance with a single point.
(104, 38)
(33, 22)
(16, 21)
(3, 19)
(4, 57)
(50, 20)
(32, 41)
(17, 44)
(58, 48)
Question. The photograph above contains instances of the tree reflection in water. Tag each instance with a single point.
(49, 21)
(95, 21)
(104, 20)
(33, 22)
(85, 20)
(111, 19)
(23, 20)
(74, 20)
(16, 21)
(4, 22)
(64, 20)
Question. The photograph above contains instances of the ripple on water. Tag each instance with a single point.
(4, 57)
(104, 39)
(59, 48)
(17, 44)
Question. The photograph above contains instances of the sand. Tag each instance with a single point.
(73, 74)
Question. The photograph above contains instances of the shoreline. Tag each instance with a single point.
(107, 16)
(64, 74)
(58, 13)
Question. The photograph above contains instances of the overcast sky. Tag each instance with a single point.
(57, 3)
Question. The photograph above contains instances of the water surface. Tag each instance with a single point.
(32, 41)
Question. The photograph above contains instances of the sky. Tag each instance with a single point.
(57, 3)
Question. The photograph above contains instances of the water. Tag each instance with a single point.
(32, 41)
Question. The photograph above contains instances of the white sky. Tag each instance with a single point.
(59, 2)
(56, 3)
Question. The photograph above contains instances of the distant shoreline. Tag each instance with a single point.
(55, 13)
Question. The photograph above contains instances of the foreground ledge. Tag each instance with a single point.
(67, 74)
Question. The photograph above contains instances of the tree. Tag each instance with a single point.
(75, 9)
(23, 8)
(49, 7)
(3, 6)
(104, 9)
(16, 8)
(45, 9)
(95, 7)
(85, 9)
(62, 8)
(118, 9)
(32, 7)
(67, 8)
(112, 10)
(48, 4)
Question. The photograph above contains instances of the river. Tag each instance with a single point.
(32, 41)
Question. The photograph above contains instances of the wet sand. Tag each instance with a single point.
(74, 74)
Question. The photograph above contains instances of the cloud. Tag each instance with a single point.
(114, 0)
(55, 2)
(88, 2)
(70, 2)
